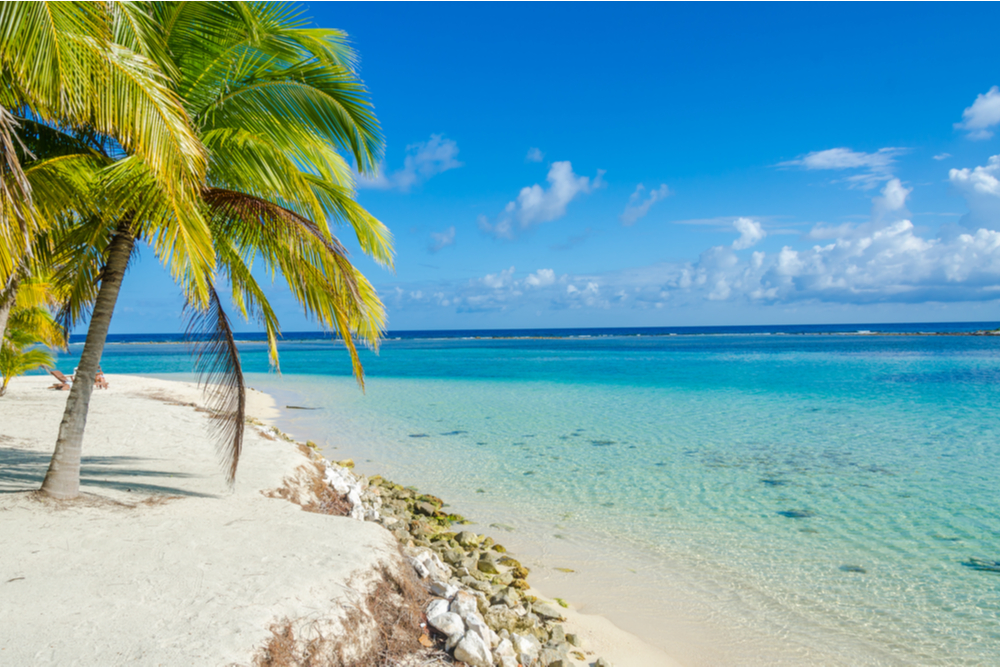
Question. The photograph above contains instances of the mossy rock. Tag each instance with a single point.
(487, 567)
(434, 500)
(520, 584)
(499, 548)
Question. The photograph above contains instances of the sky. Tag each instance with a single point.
(600, 165)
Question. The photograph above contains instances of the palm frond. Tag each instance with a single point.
(174, 227)
(61, 60)
(217, 362)
(248, 296)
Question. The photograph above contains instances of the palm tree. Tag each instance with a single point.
(90, 67)
(274, 103)
(31, 323)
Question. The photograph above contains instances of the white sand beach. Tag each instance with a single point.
(160, 563)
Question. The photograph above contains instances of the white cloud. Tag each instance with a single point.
(892, 203)
(423, 160)
(639, 203)
(942, 156)
(981, 189)
(535, 204)
(534, 155)
(441, 240)
(541, 278)
(750, 233)
(499, 280)
(874, 167)
(883, 260)
(982, 115)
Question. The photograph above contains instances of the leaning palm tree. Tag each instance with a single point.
(90, 67)
(275, 103)
(91, 71)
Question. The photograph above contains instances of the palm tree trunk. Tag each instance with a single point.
(7, 300)
(63, 477)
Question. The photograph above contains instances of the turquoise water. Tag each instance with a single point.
(824, 491)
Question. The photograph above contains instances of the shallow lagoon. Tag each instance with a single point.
(822, 498)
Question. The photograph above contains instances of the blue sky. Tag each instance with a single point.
(665, 165)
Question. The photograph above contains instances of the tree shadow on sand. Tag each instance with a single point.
(23, 470)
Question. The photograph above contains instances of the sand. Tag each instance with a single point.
(160, 562)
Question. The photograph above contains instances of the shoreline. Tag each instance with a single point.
(698, 617)
(148, 455)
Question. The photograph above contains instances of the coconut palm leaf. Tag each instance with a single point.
(217, 362)
(60, 60)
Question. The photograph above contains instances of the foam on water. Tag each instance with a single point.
(821, 499)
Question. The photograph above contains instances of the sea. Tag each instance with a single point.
(736, 495)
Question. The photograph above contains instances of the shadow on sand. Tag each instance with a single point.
(23, 470)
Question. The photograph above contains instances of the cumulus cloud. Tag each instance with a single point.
(982, 115)
(541, 278)
(423, 160)
(981, 188)
(639, 203)
(750, 233)
(499, 280)
(536, 204)
(441, 240)
(872, 168)
(534, 155)
(883, 260)
(892, 202)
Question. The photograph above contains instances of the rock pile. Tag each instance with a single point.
(481, 609)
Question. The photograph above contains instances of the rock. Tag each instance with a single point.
(472, 650)
(505, 652)
(436, 607)
(427, 564)
(343, 482)
(549, 658)
(346, 463)
(450, 625)
(546, 611)
(501, 618)
(487, 566)
(507, 597)
(425, 508)
(558, 634)
(526, 648)
(505, 579)
(464, 604)
(576, 640)
(443, 590)
(467, 539)
(453, 556)
(475, 623)
(601, 662)
(477, 585)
